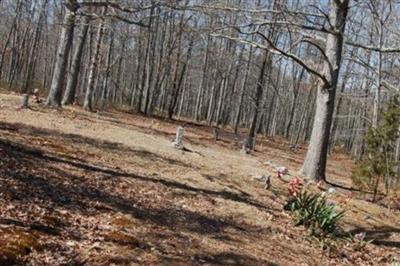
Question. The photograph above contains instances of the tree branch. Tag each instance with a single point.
(241, 10)
(240, 40)
(295, 58)
(390, 86)
(373, 48)
(115, 16)
(117, 6)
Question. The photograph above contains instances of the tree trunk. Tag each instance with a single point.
(33, 51)
(64, 47)
(296, 89)
(200, 93)
(315, 162)
(70, 91)
(12, 27)
(93, 66)
(259, 93)
(105, 90)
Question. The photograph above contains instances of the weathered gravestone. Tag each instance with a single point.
(25, 100)
(178, 142)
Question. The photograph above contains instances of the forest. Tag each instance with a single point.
(300, 95)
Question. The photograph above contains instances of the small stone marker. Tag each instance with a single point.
(216, 134)
(246, 146)
(331, 190)
(266, 180)
(178, 143)
(36, 98)
(282, 169)
(25, 100)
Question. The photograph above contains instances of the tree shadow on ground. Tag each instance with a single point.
(74, 195)
(352, 189)
(36, 226)
(227, 195)
(219, 180)
(226, 138)
(148, 129)
(227, 258)
(54, 182)
(79, 163)
(76, 139)
(380, 235)
(40, 187)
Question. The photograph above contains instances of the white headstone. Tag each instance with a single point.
(178, 143)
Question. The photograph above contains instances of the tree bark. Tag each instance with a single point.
(315, 162)
(12, 28)
(105, 90)
(258, 99)
(70, 91)
(200, 93)
(242, 90)
(54, 97)
(33, 51)
(296, 89)
(93, 66)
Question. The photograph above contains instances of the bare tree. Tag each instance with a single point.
(94, 64)
(72, 81)
(55, 93)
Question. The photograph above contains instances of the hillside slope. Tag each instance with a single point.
(102, 188)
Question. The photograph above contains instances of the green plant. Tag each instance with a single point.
(330, 246)
(314, 212)
(380, 165)
(360, 242)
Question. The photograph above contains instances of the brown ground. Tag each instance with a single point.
(107, 188)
